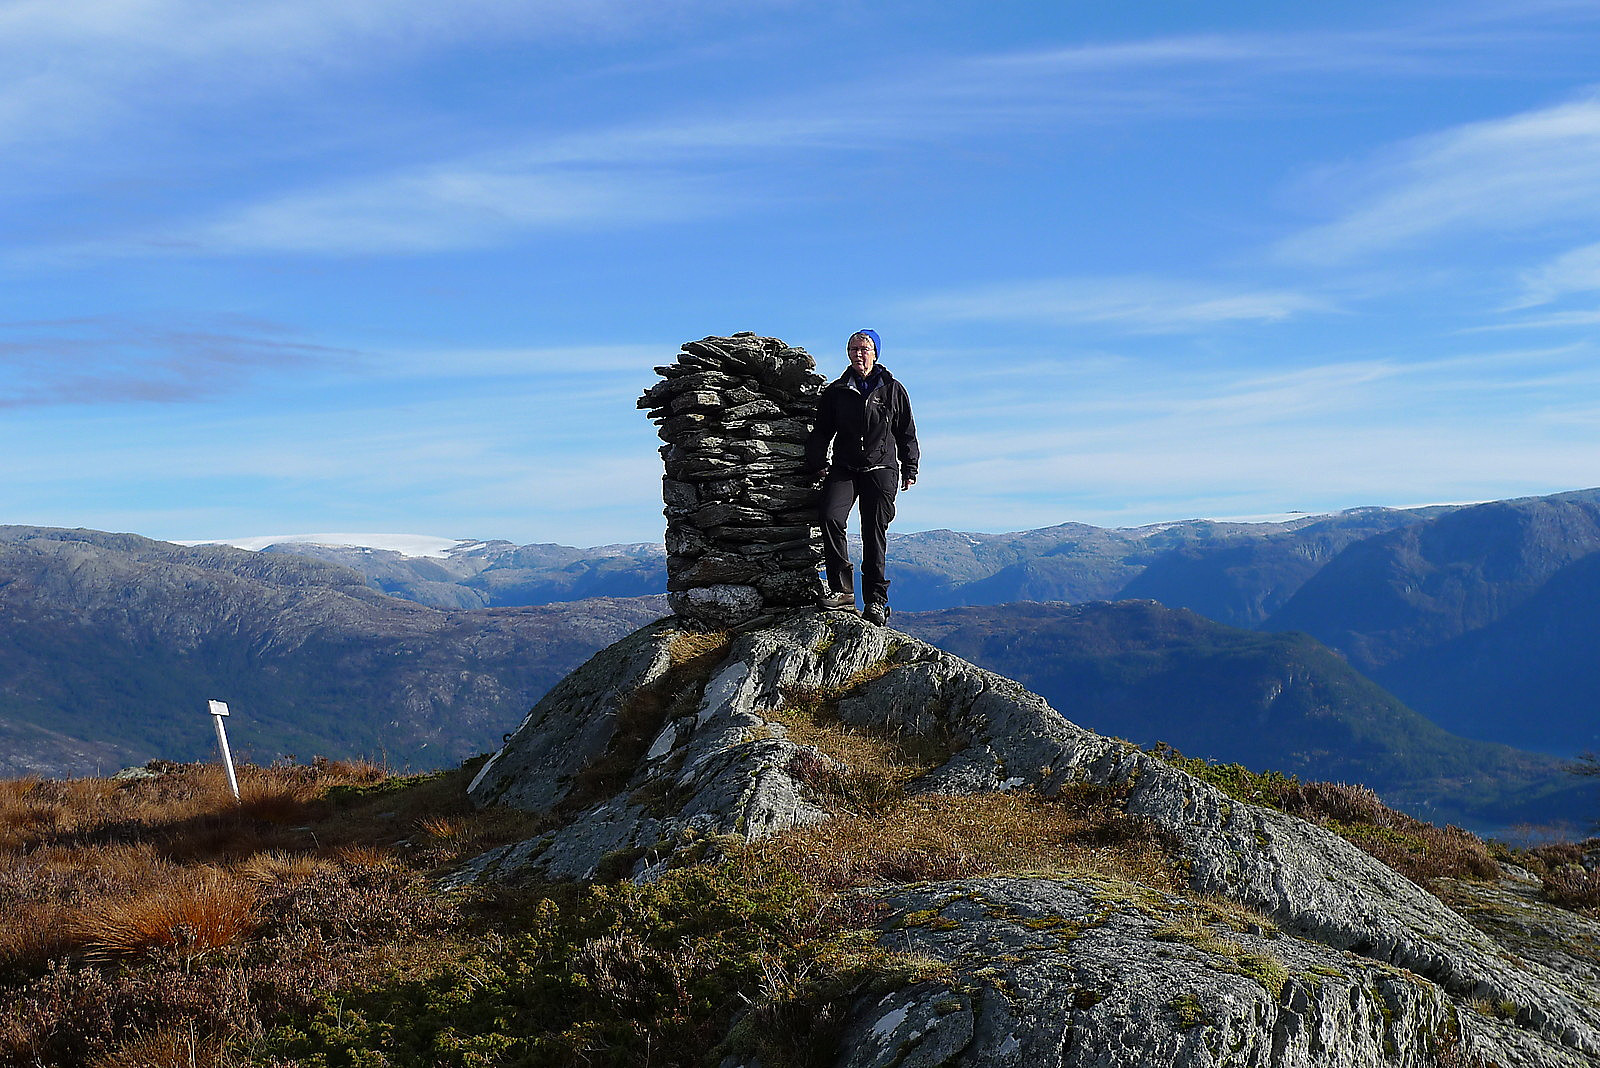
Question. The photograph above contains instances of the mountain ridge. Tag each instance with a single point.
(312, 634)
(1141, 671)
(119, 640)
(932, 569)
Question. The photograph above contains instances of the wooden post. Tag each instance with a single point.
(219, 709)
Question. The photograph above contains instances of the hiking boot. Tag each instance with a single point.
(876, 614)
(839, 602)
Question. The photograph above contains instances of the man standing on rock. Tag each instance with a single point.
(866, 416)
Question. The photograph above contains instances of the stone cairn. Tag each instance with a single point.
(742, 535)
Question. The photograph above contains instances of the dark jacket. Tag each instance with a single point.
(875, 430)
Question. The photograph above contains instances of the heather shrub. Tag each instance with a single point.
(147, 973)
(1419, 851)
(619, 975)
(1339, 801)
(1235, 780)
(1552, 855)
(71, 1016)
(1574, 887)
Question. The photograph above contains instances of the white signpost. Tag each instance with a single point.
(219, 709)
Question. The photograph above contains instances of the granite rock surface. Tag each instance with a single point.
(669, 738)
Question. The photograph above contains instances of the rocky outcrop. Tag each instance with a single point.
(734, 413)
(1105, 974)
(675, 736)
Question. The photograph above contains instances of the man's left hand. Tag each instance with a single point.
(906, 484)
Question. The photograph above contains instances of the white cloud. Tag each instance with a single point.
(1530, 170)
(70, 67)
(1576, 271)
(1136, 304)
(1151, 442)
(447, 208)
(620, 362)
(694, 165)
(1185, 409)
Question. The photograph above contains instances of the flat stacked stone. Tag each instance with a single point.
(741, 514)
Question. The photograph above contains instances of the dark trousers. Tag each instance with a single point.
(876, 491)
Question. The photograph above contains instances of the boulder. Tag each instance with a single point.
(674, 737)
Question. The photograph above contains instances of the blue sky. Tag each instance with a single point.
(289, 266)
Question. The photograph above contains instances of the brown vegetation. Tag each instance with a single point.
(155, 921)
(1567, 870)
(851, 767)
(944, 837)
(1574, 888)
(191, 912)
(1419, 851)
(158, 922)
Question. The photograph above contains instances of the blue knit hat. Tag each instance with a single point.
(877, 346)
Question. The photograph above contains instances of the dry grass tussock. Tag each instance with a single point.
(690, 646)
(945, 837)
(195, 911)
(164, 1048)
(156, 921)
(852, 767)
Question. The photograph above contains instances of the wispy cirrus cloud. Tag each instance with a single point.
(71, 67)
(692, 165)
(109, 360)
(63, 64)
(1142, 440)
(1137, 304)
(609, 363)
(450, 208)
(1531, 170)
(1103, 401)
(1575, 271)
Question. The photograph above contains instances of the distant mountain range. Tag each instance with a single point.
(1474, 615)
(1141, 671)
(1240, 571)
(1479, 618)
(111, 644)
(497, 574)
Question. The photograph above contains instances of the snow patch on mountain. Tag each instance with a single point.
(406, 544)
